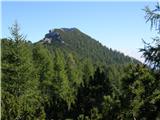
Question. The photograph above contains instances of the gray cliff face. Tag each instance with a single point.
(52, 36)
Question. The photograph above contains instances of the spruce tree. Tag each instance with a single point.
(18, 79)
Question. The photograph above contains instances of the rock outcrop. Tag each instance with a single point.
(52, 36)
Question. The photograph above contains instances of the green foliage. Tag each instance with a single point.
(152, 53)
(153, 16)
(107, 104)
(137, 85)
(82, 117)
(43, 63)
(64, 90)
(95, 115)
(19, 82)
(87, 70)
(79, 79)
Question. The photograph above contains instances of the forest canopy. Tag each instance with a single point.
(79, 78)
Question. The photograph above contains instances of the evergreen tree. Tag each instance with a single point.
(73, 71)
(43, 62)
(65, 93)
(152, 52)
(87, 70)
(18, 79)
(138, 85)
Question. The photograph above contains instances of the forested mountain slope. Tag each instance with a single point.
(83, 46)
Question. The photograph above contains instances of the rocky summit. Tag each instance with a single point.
(52, 36)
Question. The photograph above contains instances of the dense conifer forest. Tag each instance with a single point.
(74, 77)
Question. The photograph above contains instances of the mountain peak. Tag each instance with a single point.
(55, 35)
(73, 40)
(52, 36)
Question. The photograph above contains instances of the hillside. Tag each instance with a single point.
(83, 46)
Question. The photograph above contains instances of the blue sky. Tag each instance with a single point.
(118, 25)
